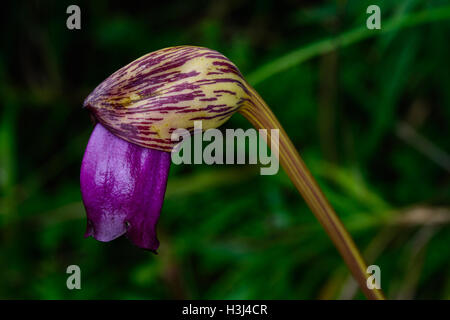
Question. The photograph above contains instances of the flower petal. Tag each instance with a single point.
(123, 187)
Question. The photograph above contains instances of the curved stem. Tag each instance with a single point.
(259, 114)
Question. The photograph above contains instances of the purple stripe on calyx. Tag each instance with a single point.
(166, 90)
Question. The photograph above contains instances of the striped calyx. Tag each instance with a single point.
(145, 101)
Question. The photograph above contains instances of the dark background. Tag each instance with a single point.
(370, 120)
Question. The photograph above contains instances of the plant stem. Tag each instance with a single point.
(259, 114)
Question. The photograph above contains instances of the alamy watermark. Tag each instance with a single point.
(374, 20)
(74, 280)
(215, 153)
(74, 20)
(374, 280)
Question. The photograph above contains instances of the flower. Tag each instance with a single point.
(145, 101)
(123, 188)
(127, 159)
(126, 163)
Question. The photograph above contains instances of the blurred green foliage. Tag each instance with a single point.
(370, 118)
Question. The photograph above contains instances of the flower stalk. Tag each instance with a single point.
(261, 117)
(126, 163)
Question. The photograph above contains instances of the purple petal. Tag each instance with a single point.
(123, 188)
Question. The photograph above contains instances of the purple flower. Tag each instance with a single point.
(123, 188)
(126, 163)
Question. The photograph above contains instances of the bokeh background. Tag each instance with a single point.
(369, 112)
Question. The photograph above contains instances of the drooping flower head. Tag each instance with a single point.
(127, 160)
(145, 101)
